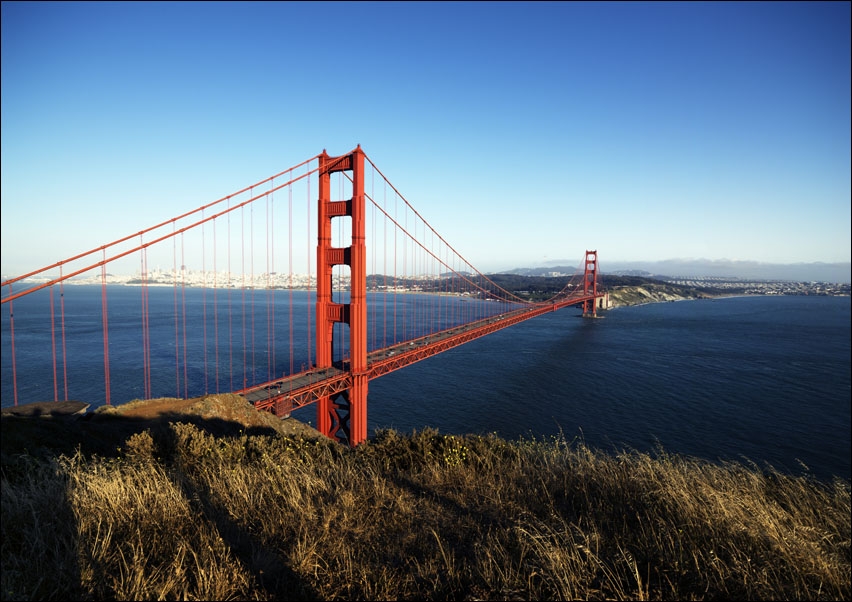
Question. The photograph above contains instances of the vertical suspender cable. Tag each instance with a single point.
(215, 309)
(437, 269)
(142, 291)
(148, 332)
(252, 291)
(146, 342)
(177, 322)
(14, 364)
(385, 269)
(429, 267)
(290, 271)
(204, 299)
(229, 285)
(183, 314)
(62, 332)
(53, 347)
(405, 276)
(395, 266)
(105, 329)
(243, 290)
(311, 358)
(434, 313)
(449, 288)
(270, 290)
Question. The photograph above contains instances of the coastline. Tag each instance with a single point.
(654, 293)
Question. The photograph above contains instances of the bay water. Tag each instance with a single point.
(762, 380)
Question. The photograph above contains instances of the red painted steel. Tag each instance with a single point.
(344, 416)
(340, 391)
(339, 387)
(590, 285)
(302, 389)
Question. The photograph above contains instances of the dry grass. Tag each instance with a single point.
(183, 513)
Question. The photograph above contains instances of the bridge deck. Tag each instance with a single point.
(284, 395)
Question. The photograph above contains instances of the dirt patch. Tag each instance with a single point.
(226, 407)
(153, 408)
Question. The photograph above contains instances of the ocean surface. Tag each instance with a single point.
(762, 380)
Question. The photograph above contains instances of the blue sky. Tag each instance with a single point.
(525, 133)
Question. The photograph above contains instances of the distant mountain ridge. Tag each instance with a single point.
(705, 268)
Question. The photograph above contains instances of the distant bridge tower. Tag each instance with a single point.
(343, 418)
(590, 285)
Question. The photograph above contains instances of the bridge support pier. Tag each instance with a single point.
(343, 418)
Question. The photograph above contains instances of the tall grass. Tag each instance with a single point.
(189, 515)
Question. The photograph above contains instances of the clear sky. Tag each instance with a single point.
(525, 133)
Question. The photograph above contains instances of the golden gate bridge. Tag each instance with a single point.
(384, 290)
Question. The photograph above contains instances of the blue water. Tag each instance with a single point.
(760, 379)
(755, 379)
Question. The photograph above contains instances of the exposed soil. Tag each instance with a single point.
(225, 407)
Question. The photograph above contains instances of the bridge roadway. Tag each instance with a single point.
(284, 395)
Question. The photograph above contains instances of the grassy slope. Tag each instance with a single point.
(211, 500)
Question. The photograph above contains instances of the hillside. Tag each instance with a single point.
(624, 290)
(208, 499)
(46, 429)
(654, 292)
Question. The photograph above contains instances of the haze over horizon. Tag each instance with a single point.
(840, 273)
(521, 131)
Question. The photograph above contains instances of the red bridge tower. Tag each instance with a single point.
(590, 285)
(343, 418)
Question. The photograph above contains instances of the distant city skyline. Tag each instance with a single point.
(742, 270)
(524, 132)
